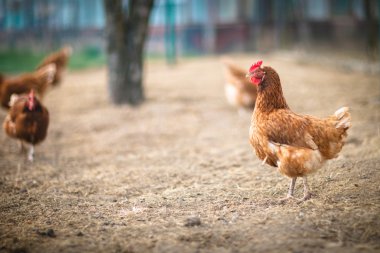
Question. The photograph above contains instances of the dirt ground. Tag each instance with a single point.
(122, 179)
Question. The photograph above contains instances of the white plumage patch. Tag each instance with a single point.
(340, 112)
(272, 147)
(231, 94)
(344, 123)
(343, 117)
(13, 99)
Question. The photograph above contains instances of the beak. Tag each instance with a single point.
(248, 75)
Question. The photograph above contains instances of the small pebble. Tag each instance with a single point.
(23, 190)
(192, 221)
(50, 232)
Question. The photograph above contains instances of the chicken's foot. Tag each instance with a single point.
(306, 190)
(290, 195)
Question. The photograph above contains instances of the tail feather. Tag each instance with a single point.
(343, 118)
(47, 73)
(67, 50)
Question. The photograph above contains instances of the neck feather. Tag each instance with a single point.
(270, 96)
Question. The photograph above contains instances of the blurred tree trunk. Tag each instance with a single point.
(279, 20)
(303, 26)
(126, 29)
(371, 26)
(257, 24)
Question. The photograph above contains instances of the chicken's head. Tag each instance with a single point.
(31, 103)
(256, 74)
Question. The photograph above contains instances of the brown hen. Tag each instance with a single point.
(297, 145)
(239, 92)
(22, 84)
(27, 121)
(60, 59)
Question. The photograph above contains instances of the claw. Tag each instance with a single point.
(287, 198)
(306, 196)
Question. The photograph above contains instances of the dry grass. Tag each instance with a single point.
(121, 179)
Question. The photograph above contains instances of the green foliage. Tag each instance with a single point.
(24, 61)
(89, 57)
(18, 61)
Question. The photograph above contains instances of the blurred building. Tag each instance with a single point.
(190, 27)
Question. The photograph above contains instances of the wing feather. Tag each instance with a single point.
(289, 128)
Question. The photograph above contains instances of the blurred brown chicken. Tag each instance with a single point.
(60, 59)
(297, 145)
(27, 121)
(38, 81)
(239, 91)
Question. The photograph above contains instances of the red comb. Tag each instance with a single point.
(255, 66)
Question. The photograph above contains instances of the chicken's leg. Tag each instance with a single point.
(22, 147)
(306, 190)
(291, 187)
(31, 153)
(290, 194)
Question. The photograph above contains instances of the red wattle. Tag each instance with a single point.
(255, 80)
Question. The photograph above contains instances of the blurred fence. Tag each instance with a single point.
(198, 26)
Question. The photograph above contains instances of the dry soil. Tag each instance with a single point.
(177, 174)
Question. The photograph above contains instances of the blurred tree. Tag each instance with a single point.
(371, 26)
(126, 29)
(279, 8)
(303, 26)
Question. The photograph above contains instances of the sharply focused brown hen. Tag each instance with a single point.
(297, 145)
(27, 121)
